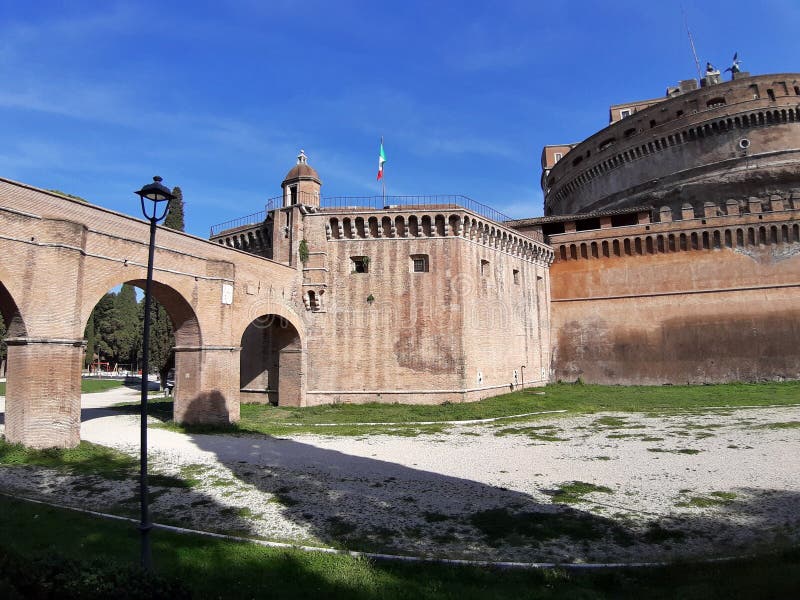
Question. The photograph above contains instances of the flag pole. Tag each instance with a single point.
(383, 180)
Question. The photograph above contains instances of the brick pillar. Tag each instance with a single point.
(43, 392)
(291, 377)
(207, 384)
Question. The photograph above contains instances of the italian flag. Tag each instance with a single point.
(381, 160)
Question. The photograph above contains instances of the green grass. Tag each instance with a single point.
(86, 458)
(784, 425)
(542, 433)
(213, 568)
(574, 399)
(88, 386)
(713, 499)
(575, 491)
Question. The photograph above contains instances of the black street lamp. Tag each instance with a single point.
(155, 192)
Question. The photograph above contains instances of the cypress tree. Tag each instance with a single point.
(2, 344)
(126, 338)
(174, 218)
(88, 335)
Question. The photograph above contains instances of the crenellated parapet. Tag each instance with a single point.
(757, 222)
(462, 224)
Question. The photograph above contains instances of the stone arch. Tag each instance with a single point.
(440, 226)
(453, 222)
(413, 226)
(400, 226)
(427, 229)
(347, 226)
(12, 316)
(386, 227)
(360, 230)
(272, 361)
(184, 320)
(374, 231)
(335, 228)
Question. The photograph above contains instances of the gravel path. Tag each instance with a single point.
(719, 483)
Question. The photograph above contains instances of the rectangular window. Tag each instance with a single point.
(360, 264)
(516, 276)
(484, 267)
(557, 156)
(419, 263)
(771, 95)
(625, 112)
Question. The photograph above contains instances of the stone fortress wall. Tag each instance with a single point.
(728, 140)
(422, 303)
(708, 295)
(460, 328)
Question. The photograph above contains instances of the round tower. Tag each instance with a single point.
(301, 184)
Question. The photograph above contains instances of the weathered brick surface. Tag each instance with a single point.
(705, 299)
(58, 258)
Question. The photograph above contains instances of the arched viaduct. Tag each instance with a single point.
(59, 256)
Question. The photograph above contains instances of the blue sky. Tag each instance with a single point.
(218, 97)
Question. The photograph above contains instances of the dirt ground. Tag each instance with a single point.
(608, 487)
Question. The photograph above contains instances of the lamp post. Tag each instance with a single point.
(156, 193)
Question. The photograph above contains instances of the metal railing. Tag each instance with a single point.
(433, 202)
(371, 203)
(253, 219)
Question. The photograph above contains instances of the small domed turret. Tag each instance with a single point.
(302, 184)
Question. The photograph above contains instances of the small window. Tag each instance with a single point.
(419, 263)
(313, 303)
(360, 264)
(516, 276)
(293, 195)
(484, 267)
(715, 102)
(557, 156)
(606, 144)
(754, 91)
(625, 112)
(797, 90)
(652, 123)
(679, 113)
(771, 94)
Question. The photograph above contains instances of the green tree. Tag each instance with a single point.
(2, 341)
(88, 335)
(162, 338)
(127, 336)
(105, 325)
(174, 218)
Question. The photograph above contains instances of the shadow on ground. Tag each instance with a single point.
(373, 505)
(329, 497)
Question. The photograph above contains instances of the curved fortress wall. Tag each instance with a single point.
(730, 140)
(710, 295)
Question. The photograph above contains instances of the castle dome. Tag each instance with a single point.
(302, 171)
(301, 184)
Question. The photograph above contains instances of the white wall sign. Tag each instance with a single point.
(227, 293)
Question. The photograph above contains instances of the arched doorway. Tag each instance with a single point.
(272, 362)
(12, 325)
(176, 344)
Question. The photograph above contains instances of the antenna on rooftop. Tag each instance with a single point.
(691, 43)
